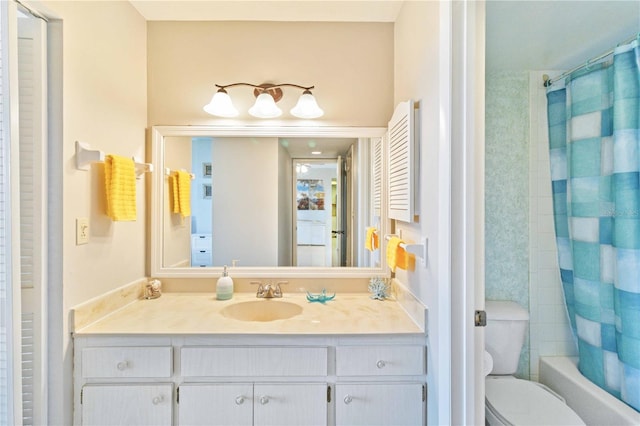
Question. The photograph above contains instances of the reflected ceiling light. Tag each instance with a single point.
(265, 106)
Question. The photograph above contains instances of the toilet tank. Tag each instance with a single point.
(504, 334)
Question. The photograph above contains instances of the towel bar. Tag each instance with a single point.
(419, 250)
(167, 172)
(85, 156)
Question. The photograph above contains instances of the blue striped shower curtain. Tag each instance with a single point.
(594, 143)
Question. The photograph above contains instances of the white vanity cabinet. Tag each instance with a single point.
(261, 404)
(263, 401)
(250, 379)
(215, 404)
(130, 404)
(380, 385)
(123, 385)
(381, 404)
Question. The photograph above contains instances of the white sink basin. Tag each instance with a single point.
(261, 310)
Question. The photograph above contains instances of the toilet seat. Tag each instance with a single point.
(514, 401)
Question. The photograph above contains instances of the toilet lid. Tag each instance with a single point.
(521, 402)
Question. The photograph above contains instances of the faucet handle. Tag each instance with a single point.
(260, 291)
(278, 291)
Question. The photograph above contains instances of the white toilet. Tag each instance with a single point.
(512, 401)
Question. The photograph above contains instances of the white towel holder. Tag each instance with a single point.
(419, 250)
(167, 172)
(85, 156)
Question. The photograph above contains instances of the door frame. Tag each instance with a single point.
(467, 210)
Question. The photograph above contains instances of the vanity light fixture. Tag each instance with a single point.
(265, 106)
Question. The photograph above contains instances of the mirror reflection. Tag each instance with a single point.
(268, 202)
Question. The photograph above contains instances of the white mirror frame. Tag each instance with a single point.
(156, 248)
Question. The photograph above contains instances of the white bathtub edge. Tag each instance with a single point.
(594, 405)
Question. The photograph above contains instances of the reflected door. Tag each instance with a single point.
(314, 211)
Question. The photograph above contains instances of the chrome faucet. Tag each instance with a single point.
(269, 290)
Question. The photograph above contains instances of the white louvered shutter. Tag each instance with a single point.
(401, 158)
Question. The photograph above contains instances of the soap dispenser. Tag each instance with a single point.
(224, 287)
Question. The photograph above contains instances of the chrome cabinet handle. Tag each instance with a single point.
(348, 399)
(122, 365)
(381, 364)
(239, 400)
(157, 400)
(264, 400)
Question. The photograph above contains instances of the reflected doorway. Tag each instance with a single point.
(319, 213)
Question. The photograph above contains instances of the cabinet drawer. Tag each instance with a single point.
(380, 360)
(127, 362)
(252, 361)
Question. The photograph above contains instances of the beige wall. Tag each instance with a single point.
(351, 65)
(416, 76)
(104, 104)
(104, 81)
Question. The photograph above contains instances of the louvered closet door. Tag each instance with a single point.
(32, 136)
(401, 155)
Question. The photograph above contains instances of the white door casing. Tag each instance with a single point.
(467, 211)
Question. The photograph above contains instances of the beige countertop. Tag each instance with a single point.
(200, 313)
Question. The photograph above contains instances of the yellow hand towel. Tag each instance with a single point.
(371, 242)
(181, 191)
(120, 183)
(175, 195)
(396, 255)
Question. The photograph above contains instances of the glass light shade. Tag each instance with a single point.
(221, 105)
(307, 107)
(265, 107)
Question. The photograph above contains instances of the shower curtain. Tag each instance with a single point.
(594, 143)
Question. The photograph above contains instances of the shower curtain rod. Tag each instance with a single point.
(549, 81)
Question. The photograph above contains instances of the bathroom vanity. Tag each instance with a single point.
(186, 358)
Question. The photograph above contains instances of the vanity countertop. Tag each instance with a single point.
(200, 313)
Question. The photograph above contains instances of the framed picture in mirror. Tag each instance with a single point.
(206, 170)
(206, 191)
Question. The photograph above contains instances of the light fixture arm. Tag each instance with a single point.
(267, 94)
(265, 86)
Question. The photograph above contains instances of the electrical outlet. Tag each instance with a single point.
(82, 230)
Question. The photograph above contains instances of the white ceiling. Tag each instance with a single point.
(268, 10)
(556, 35)
(521, 34)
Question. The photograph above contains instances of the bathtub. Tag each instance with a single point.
(593, 405)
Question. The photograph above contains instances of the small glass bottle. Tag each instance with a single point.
(224, 286)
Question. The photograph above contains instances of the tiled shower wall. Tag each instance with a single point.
(550, 333)
(521, 261)
(507, 192)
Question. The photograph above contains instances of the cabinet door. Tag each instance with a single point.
(140, 404)
(379, 404)
(299, 404)
(215, 404)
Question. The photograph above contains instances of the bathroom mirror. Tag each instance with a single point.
(266, 201)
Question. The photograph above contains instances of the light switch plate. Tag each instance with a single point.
(82, 230)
